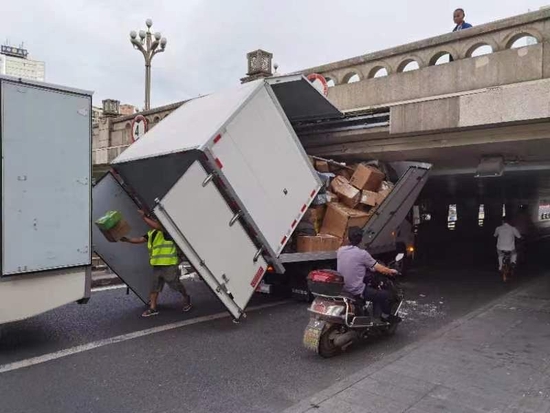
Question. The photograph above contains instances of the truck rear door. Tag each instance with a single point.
(379, 233)
(129, 262)
(203, 225)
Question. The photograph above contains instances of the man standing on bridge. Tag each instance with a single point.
(458, 17)
(163, 257)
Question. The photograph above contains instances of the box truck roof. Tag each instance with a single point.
(46, 85)
(197, 122)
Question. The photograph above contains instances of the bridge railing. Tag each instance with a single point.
(392, 80)
(104, 156)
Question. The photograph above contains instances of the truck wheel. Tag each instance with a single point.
(327, 348)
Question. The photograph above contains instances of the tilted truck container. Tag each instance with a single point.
(45, 134)
(228, 179)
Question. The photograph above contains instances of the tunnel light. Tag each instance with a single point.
(490, 167)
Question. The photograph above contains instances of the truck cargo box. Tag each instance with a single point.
(228, 179)
(45, 135)
(45, 199)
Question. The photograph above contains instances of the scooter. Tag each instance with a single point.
(337, 320)
(508, 267)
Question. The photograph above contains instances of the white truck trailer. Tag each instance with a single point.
(45, 134)
(229, 180)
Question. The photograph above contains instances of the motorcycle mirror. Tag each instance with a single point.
(399, 257)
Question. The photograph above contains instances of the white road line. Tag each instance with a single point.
(189, 276)
(119, 339)
(108, 287)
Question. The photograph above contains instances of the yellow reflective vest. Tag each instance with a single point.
(161, 251)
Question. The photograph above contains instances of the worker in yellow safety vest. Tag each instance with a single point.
(163, 257)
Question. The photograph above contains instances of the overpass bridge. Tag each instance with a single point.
(483, 111)
(471, 102)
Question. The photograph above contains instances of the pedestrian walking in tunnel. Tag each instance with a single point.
(506, 236)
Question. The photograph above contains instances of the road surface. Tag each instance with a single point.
(103, 357)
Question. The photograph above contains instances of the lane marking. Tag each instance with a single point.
(188, 276)
(124, 337)
(108, 287)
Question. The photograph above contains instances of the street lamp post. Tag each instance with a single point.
(149, 48)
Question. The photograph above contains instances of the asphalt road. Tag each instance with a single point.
(208, 365)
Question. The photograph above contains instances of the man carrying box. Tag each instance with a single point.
(163, 257)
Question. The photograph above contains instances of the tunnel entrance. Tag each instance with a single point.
(458, 215)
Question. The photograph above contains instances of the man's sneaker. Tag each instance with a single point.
(187, 306)
(149, 312)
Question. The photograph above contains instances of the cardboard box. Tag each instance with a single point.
(367, 177)
(119, 231)
(318, 243)
(384, 191)
(331, 197)
(322, 166)
(369, 198)
(347, 193)
(344, 172)
(316, 216)
(339, 218)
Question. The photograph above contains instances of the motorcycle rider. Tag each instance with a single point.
(358, 268)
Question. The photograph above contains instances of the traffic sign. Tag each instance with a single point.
(319, 82)
(139, 127)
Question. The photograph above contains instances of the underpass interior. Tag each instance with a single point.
(460, 212)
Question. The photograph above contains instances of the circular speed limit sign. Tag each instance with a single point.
(139, 127)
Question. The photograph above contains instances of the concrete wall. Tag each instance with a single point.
(520, 102)
(501, 68)
(111, 136)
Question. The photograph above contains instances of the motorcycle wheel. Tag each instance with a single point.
(390, 331)
(327, 348)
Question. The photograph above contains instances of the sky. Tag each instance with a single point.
(86, 45)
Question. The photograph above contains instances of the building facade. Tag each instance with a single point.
(97, 113)
(127, 109)
(14, 61)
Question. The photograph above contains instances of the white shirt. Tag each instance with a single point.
(506, 235)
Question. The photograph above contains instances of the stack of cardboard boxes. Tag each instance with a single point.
(350, 200)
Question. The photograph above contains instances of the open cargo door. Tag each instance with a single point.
(300, 100)
(378, 233)
(129, 262)
(212, 238)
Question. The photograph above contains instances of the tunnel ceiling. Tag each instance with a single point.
(512, 185)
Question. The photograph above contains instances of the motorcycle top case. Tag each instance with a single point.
(325, 282)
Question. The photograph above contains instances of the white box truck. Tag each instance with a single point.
(45, 135)
(229, 180)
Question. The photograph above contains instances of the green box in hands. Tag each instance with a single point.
(109, 220)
